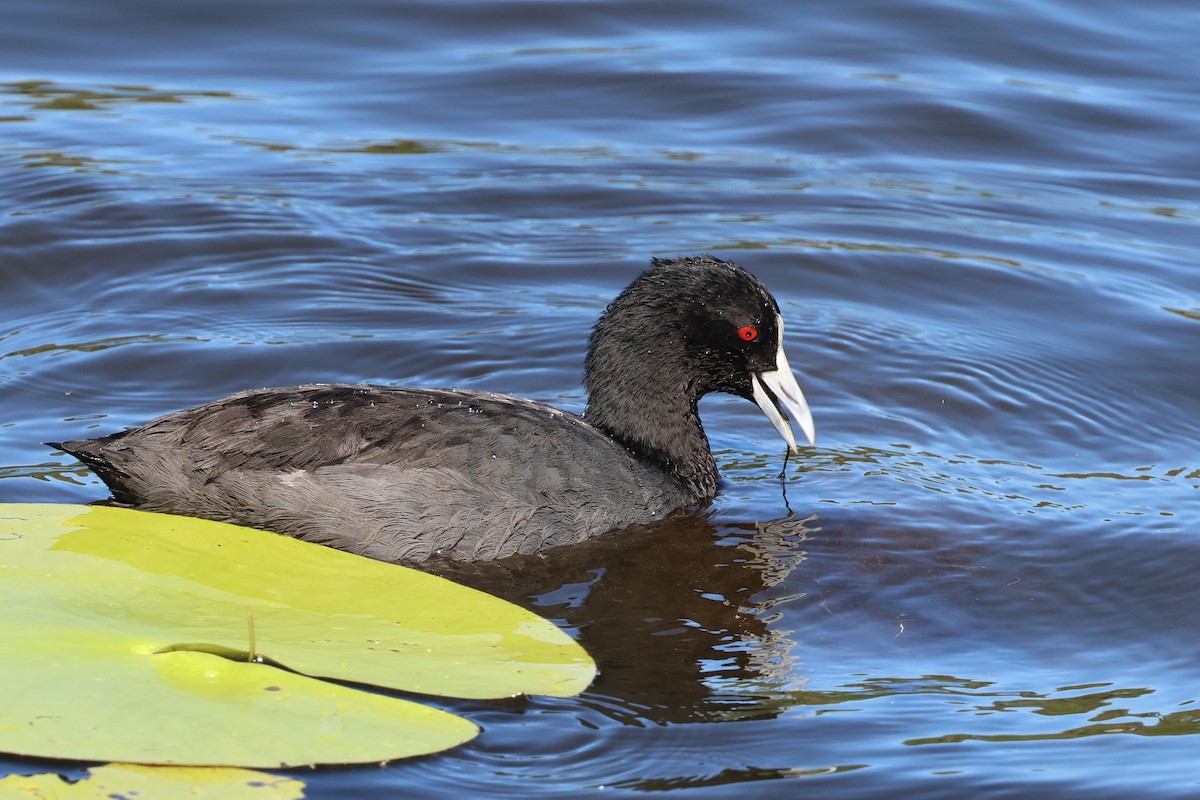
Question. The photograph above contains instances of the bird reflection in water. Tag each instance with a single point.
(672, 613)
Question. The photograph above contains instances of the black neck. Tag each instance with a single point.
(651, 408)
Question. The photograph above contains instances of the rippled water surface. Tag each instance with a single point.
(980, 221)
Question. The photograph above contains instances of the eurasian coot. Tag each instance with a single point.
(410, 474)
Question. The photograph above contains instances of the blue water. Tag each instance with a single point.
(980, 221)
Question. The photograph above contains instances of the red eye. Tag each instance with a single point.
(748, 333)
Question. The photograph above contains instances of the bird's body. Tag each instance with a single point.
(395, 474)
(411, 474)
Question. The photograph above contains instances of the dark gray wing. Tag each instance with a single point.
(396, 474)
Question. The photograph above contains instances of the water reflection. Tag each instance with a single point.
(727, 777)
(869, 474)
(673, 614)
(1103, 717)
(42, 94)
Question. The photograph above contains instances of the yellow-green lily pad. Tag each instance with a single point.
(134, 782)
(130, 636)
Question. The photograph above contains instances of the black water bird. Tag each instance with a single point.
(411, 474)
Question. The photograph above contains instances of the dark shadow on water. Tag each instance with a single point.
(669, 612)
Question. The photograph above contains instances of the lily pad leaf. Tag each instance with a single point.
(129, 636)
(160, 783)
